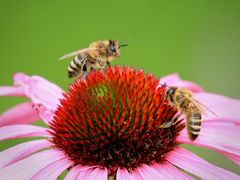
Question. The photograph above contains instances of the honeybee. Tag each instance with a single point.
(96, 56)
(182, 99)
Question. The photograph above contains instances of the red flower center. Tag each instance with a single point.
(113, 119)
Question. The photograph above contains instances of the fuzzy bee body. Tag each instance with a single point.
(80, 64)
(182, 99)
(97, 56)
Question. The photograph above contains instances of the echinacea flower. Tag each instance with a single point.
(109, 125)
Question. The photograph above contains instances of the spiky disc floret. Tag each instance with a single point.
(113, 119)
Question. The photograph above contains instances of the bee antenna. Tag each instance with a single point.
(165, 84)
(124, 42)
(122, 45)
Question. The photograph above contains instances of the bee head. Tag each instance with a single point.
(114, 48)
(170, 92)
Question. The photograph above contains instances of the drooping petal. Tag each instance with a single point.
(220, 135)
(162, 171)
(168, 171)
(39, 90)
(123, 174)
(21, 114)
(20, 131)
(73, 173)
(174, 80)
(88, 173)
(98, 173)
(53, 170)
(149, 173)
(44, 94)
(195, 165)
(20, 151)
(12, 91)
(45, 114)
(30, 166)
(85, 174)
(136, 175)
(223, 107)
(79, 172)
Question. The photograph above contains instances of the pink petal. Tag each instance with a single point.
(174, 80)
(233, 157)
(122, 174)
(170, 79)
(84, 174)
(75, 171)
(73, 174)
(198, 166)
(91, 173)
(136, 175)
(39, 90)
(20, 151)
(168, 171)
(20, 131)
(221, 135)
(20, 114)
(45, 114)
(12, 91)
(20, 79)
(53, 170)
(30, 166)
(149, 173)
(163, 171)
(88, 173)
(44, 94)
(98, 173)
(223, 107)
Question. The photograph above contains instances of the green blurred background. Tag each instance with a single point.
(197, 39)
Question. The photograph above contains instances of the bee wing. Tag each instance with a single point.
(200, 106)
(76, 53)
(203, 108)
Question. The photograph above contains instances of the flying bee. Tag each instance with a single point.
(96, 56)
(182, 99)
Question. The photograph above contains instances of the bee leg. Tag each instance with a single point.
(79, 76)
(108, 63)
(166, 125)
(84, 75)
(171, 123)
(83, 72)
(176, 118)
(100, 62)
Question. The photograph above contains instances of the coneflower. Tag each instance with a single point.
(111, 125)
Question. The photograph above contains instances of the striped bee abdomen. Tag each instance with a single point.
(77, 66)
(193, 123)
